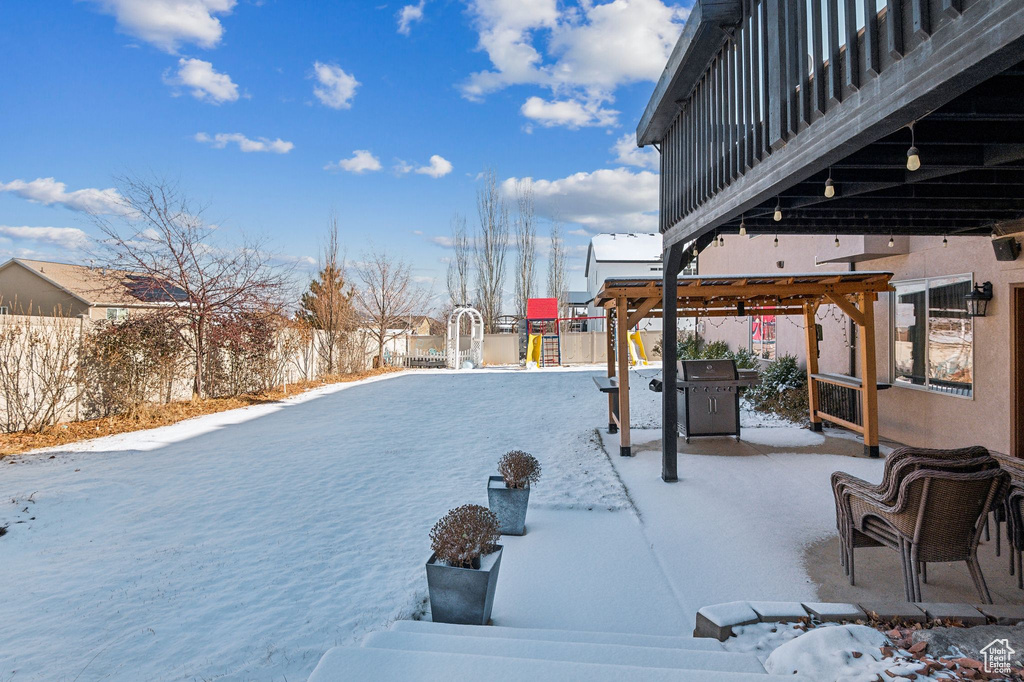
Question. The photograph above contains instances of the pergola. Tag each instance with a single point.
(627, 301)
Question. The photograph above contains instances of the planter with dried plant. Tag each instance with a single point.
(462, 573)
(508, 495)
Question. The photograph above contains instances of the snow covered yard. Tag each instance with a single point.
(244, 544)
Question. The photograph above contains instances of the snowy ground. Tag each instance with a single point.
(242, 545)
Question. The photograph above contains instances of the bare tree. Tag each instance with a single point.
(170, 254)
(557, 285)
(386, 297)
(458, 267)
(38, 370)
(489, 248)
(526, 247)
(327, 305)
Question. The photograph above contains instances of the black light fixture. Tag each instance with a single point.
(977, 299)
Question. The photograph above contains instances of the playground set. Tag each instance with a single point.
(540, 340)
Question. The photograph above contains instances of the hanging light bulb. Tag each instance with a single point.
(837, 241)
(743, 228)
(778, 210)
(714, 242)
(776, 241)
(913, 155)
(892, 243)
(945, 242)
(721, 241)
(695, 252)
(830, 188)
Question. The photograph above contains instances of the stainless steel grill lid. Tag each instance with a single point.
(707, 370)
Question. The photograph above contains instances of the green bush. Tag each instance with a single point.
(715, 351)
(782, 390)
(745, 359)
(690, 347)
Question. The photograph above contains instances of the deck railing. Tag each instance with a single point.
(784, 64)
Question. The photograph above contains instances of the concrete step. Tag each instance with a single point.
(573, 652)
(387, 665)
(630, 639)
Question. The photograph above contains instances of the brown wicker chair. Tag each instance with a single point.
(898, 464)
(938, 515)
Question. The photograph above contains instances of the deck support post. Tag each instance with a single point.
(671, 265)
(622, 339)
(609, 327)
(811, 331)
(869, 373)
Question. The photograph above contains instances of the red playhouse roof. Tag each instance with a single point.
(542, 309)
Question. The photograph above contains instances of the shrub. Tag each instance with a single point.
(745, 359)
(519, 469)
(464, 534)
(782, 390)
(689, 348)
(129, 363)
(715, 351)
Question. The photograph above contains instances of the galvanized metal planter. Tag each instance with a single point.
(463, 595)
(508, 504)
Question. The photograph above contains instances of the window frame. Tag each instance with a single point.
(775, 340)
(927, 386)
(120, 314)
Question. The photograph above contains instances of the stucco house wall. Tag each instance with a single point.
(910, 415)
(24, 292)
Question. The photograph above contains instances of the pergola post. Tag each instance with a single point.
(811, 331)
(622, 338)
(671, 265)
(869, 372)
(609, 326)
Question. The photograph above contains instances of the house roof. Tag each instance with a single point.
(542, 309)
(578, 298)
(627, 247)
(101, 286)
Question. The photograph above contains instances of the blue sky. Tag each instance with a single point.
(275, 113)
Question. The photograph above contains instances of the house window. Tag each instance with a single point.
(932, 335)
(4, 310)
(116, 314)
(762, 336)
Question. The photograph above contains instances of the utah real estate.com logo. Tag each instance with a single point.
(998, 655)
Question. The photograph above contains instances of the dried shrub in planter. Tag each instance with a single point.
(519, 469)
(464, 534)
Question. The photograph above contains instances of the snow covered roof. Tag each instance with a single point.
(626, 247)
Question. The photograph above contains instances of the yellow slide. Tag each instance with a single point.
(637, 354)
(533, 349)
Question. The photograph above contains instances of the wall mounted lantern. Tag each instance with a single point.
(977, 300)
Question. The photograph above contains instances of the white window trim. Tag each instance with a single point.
(926, 388)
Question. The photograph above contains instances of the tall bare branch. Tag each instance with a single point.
(489, 247)
(526, 246)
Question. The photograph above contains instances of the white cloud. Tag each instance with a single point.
(65, 237)
(48, 191)
(260, 144)
(409, 15)
(570, 113)
(360, 162)
(169, 23)
(606, 200)
(581, 53)
(206, 84)
(626, 152)
(336, 88)
(438, 167)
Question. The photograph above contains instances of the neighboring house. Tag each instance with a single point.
(621, 255)
(951, 373)
(34, 287)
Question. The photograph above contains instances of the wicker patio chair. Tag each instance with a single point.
(1013, 509)
(899, 463)
(937, 516)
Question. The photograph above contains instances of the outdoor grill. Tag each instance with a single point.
(709, 393)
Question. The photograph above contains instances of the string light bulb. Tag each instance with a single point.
(830, 188)
(714, 242)
(892, 243)
(913, 155)
(837, 241)
(721, 241)
(743, 227)
(776, 241)
(945, 242)
(778, 210)
(695, 252)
